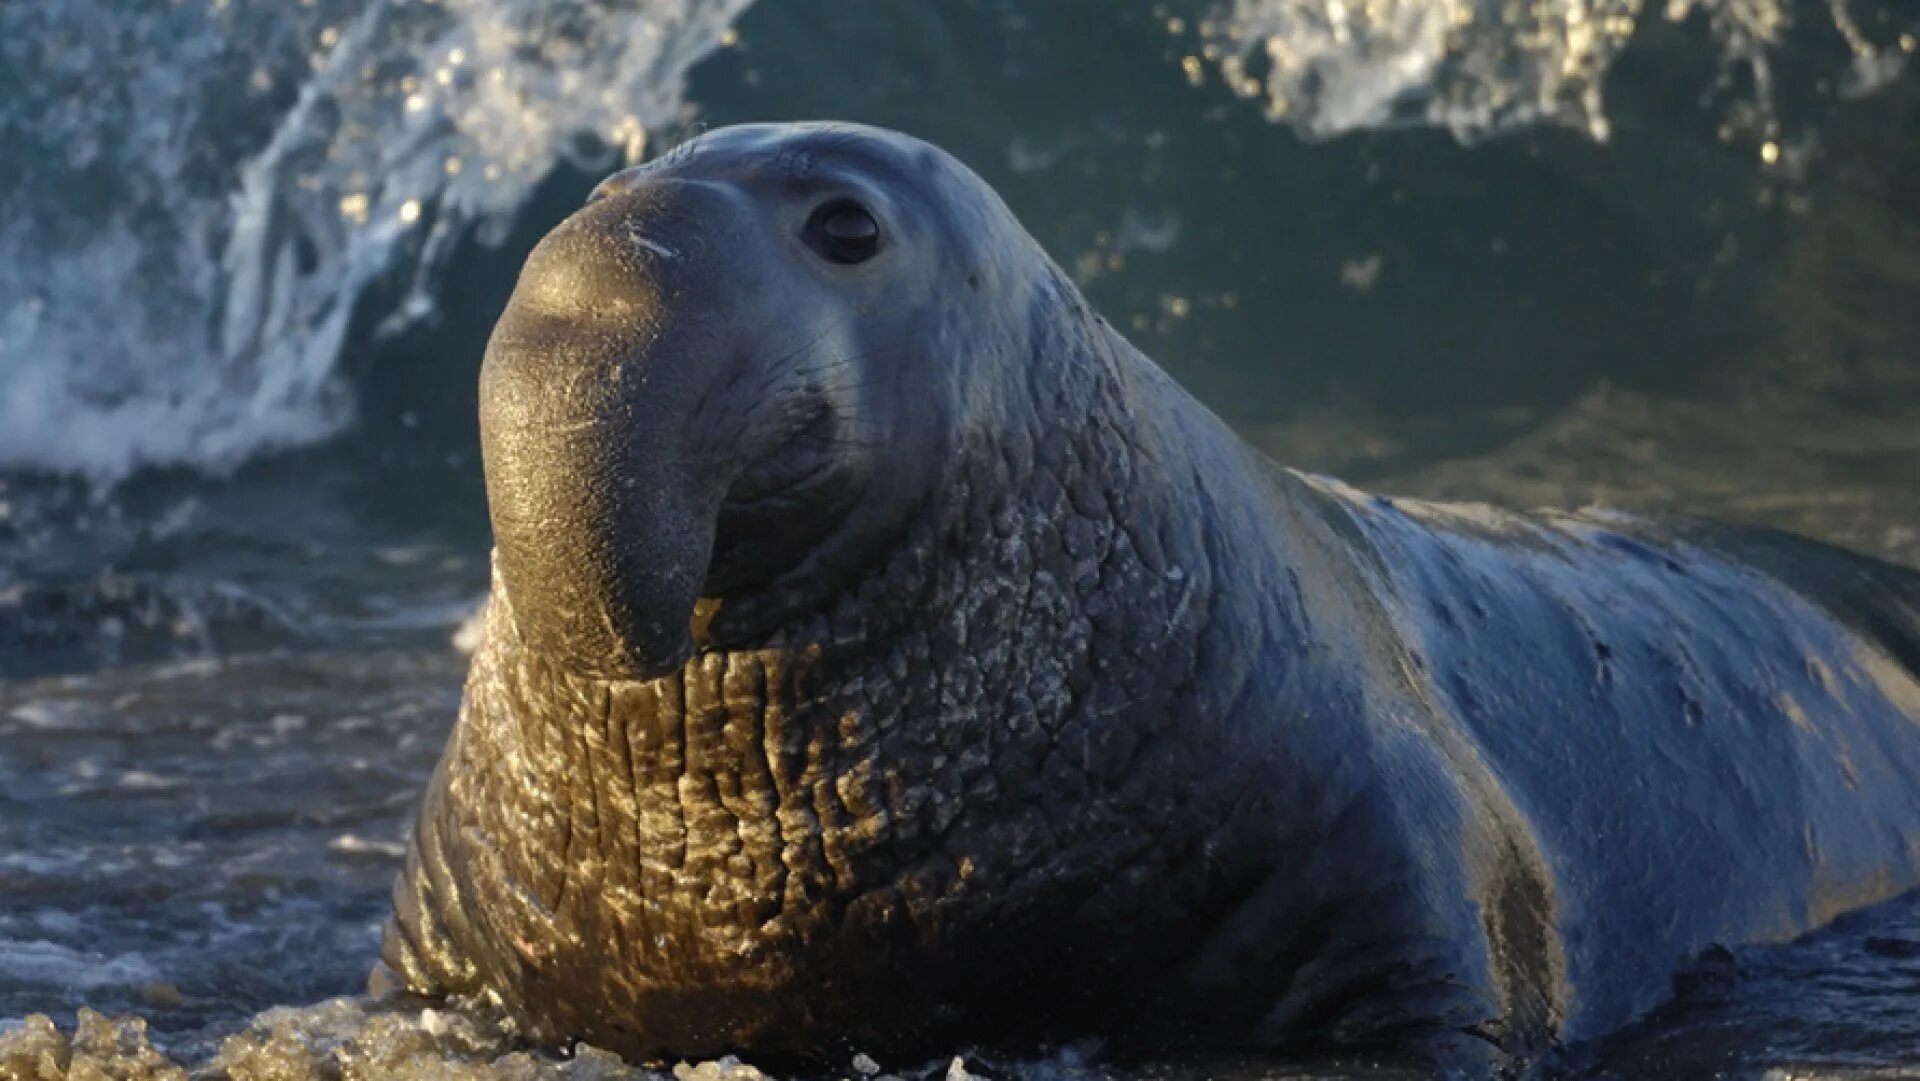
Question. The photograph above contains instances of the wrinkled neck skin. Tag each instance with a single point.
(1066, 758)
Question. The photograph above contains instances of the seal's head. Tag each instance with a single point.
(726, 381)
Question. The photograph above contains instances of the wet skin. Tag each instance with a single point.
(883, 654)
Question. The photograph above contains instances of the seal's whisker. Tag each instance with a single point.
(781, 361)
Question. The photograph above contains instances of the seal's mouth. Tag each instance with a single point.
(797, 467)
(779, 506)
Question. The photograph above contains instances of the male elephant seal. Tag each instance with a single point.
(882, 653)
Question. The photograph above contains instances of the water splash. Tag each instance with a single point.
(1479, 68)
(358, 1037)
(199, 194)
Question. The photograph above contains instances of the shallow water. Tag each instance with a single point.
(1541, 254)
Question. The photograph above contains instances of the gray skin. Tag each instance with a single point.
(884, 654)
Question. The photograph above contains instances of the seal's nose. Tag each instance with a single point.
(591, 266)
(604, 503)
(645, 236)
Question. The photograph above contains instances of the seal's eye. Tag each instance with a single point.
(843, 232)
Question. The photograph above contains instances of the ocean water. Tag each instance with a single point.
(1548, 253)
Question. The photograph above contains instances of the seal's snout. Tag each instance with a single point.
(603, 510)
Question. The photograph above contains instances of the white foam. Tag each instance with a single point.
(200, 323)
(53, 965)
(372, 1038)
(1477, 68)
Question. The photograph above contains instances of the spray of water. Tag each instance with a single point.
(198, 194)
(1482, 67)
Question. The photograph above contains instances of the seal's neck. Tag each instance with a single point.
(1025, 673)
(1048, 732)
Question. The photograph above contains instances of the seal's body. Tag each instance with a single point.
(882, 653)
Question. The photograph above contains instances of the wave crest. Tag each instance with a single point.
(203, 194)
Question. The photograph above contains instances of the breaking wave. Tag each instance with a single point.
(196, 195)
(1482, 67)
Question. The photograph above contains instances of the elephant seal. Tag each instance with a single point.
(883, 654)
